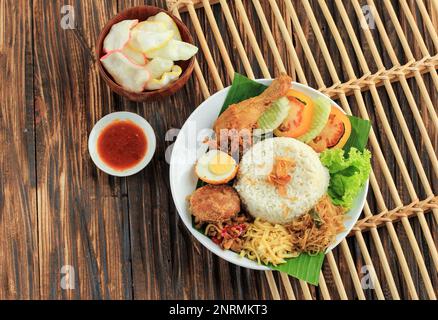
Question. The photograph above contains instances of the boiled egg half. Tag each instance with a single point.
(216, 167)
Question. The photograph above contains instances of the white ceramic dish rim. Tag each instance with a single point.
(181, 205)
(103, 123)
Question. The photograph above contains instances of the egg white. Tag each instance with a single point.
(203, 172)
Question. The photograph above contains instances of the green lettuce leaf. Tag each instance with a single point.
(348, 174)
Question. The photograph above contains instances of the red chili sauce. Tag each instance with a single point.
(122, 145)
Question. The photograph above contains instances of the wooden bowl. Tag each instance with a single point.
(142, 13)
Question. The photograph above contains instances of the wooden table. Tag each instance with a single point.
(122, 237)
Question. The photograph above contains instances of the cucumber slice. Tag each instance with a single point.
(321, 115)
(272, 118)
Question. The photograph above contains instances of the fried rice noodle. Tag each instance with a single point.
(306, 236)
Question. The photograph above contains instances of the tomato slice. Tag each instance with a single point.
(301, 97)
(335, 134)
(300, 116)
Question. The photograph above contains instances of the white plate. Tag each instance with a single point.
(103, 123)
(189, 147)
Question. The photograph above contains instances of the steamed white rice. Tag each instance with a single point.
(310, 180)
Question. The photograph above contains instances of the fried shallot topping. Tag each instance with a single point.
(281, 174)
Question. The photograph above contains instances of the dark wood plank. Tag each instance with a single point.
(83, 213)
(18, 204)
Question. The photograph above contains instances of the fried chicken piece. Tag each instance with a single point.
(243, 116)
(215, 204)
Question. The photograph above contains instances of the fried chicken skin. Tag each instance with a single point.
(214, 204)
(243, 116)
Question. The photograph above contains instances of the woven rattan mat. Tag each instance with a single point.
(373, 81)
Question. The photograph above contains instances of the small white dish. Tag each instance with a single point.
(189, 146)
(107, 120)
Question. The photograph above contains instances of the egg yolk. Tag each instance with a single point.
(221, 164)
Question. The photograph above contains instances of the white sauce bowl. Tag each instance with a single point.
(109, 119)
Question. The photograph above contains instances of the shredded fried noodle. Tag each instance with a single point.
(267, 243)
(306, 236)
